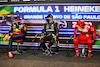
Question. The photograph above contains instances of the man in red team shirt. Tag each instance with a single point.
(87, 31)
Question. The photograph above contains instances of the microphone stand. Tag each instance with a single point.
(34, 46)
(68, 54)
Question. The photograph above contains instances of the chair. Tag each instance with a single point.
(57, 46)
(83, 54)
(18, 41)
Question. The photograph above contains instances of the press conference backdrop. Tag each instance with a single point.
(53, 1)
(63, 13)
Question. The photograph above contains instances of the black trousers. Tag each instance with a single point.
(43, 40)
(15, 37)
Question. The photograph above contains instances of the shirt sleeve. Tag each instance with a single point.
(43, 30)
(93, 30)
(23, 30)
(11, 29)
(75, 30)
(56, 29)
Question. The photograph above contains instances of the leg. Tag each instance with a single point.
(44, 46)
(89, 44)
(76, 40)
(10, 48)
(10, 44)
(51, 42)
(42, 43)
(18, 36)
(89, 47)
(13, 37)
(51, 39)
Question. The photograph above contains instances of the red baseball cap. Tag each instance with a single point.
(80, 22)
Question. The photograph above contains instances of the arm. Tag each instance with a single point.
(43, 30)
(23, 28)
(11, 30)
(56, 31)
(75, 31)
(93, 30)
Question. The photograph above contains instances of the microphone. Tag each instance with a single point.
(35, 37)
(69, 38)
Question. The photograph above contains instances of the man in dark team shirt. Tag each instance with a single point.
(51, 32)
(17, 32)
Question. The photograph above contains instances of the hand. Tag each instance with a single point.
(74, 36)
(92, 41)
(21, 25)
(55, 38)
(8, 37)
(41, 37)
(11, 34)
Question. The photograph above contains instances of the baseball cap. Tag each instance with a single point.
(49, 15)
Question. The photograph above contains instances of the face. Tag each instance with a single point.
(16, 21)
(50, 18)
(81, 25)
